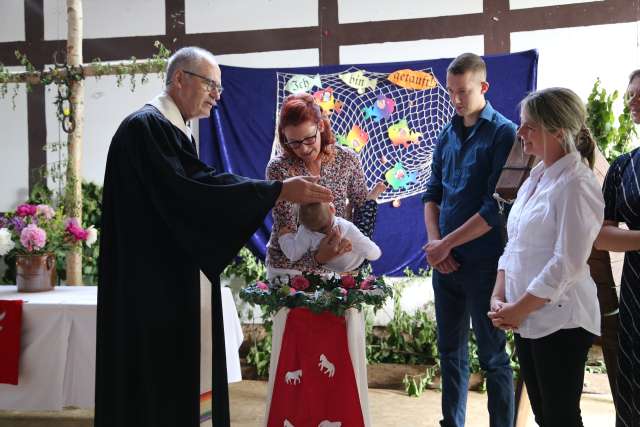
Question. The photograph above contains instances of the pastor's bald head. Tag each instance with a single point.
(187, 58)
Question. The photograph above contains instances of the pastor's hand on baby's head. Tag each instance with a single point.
(304, 189)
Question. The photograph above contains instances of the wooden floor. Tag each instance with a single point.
(389, 408)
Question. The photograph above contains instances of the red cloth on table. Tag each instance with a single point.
(10, 328)
(315, 384)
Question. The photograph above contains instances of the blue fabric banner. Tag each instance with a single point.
(239, 136)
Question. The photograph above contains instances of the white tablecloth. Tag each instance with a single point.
(233, 336)
(58, 345)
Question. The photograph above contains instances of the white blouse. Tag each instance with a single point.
(552, 225)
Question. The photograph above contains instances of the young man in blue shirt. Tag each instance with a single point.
(465, 241)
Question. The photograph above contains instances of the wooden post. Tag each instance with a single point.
(606, 271)
(73, 196)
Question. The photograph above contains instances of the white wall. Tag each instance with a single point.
(524, 4)
(206, 16)
(377, 10)
(575, 57)
(113, 18)
(283, 58)
(105, 107)
(411, 50)
(12, 22)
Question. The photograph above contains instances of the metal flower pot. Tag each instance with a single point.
(35, 273)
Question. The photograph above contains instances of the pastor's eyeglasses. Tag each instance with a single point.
(209, 83)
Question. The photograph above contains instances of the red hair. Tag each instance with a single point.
(300, 108)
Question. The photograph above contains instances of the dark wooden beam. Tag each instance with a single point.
(34, 20)
(36, 121)
(36, 135)
(411, 29)
(174, 22)
(121, 48)
(497, 38)
(328, 20)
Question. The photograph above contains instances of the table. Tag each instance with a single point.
(58, 345)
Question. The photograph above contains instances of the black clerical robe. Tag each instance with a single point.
(166, 215)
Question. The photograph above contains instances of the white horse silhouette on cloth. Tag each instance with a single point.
(2, 316)
(325, 423)
(293, 377)
(326, 367)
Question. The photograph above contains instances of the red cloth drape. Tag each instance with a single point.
(315, 384)
(10, 328)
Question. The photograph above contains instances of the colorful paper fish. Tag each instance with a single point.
(381, 109)
(398, 177)
(324, 98)
(399, 133)
(412, 79)
(301, 83)
(355, 139)
(359, 81)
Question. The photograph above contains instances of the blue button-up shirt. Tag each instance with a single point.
(464, 173)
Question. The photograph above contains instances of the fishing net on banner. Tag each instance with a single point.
(391, 120)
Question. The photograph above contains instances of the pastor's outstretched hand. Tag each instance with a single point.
(304, 189)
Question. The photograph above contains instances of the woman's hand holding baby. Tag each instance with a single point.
(332, 246)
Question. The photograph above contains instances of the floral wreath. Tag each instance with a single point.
(335, 294)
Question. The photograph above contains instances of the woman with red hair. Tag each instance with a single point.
(308, 148)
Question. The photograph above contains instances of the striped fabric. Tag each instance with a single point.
(622, 197)
(205, 407)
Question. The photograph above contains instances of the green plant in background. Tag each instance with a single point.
(513, 357)
(407, 338)
(246, 266)
(260, 352)
(596, 367)
(91, 214)
(415, 385)
(612, 140)
(410, 274)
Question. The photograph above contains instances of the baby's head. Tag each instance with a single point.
(317, 216)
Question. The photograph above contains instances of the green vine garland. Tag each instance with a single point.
(64, 75)
(334, 294)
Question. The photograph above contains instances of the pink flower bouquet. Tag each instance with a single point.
(39, 229)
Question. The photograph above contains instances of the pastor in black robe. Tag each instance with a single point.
(166, 215)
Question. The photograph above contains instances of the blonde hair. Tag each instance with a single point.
(314, 216)
(559, 109)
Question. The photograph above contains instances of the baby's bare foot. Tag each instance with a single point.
(376, 191)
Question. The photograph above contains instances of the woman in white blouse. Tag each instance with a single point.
(544, 291)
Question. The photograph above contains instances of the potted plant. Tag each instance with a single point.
(33, 233)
